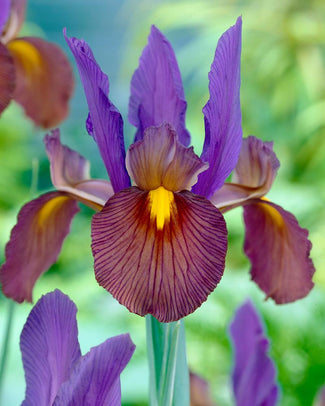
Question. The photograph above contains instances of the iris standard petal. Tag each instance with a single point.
(104, 119)
(160, 160)
(254, 372)
(253, 176)
(278, 249)
(157, 93)
(4, 14)
(44, 80)
(7, 77)
(70, 172)
(159, 254)
(95, 379)
(15, 20)
(49, 346)
(35, 243)
(222, 115)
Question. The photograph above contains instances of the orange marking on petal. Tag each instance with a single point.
(28, 55)
(49, 207)
(274, 214)
(160, 201)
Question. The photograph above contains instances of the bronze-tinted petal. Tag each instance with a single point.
(44, 80)
(278, 249)
(168, 267)
(35, 243)
(7, 77)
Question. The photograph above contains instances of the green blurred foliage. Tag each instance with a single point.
(283, 99)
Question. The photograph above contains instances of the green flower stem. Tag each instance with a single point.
(5, 345)
(169, 376)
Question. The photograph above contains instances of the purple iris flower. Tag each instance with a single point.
(56, 373)
(254, 374)
(159, 243)
(158, 247)
(34, 72)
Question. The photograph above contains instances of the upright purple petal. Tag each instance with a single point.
(49, 346)
(254, 372)
(35, 243)
(104, 119)
(4, 14)
(222, 115)
(157, 94)
(95, 380)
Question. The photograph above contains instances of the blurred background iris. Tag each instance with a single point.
(283, 99)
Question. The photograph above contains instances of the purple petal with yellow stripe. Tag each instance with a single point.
(44, 80)
(160, 253)
(35, 243)
(104, 121)
(254, 372)
(50, 347)
(157, 94)
(70, 172)
(95, 379)
(222, 115)
(7, 77)
(278, 249)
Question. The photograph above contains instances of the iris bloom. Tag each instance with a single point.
(159, 246)
(56, 373)
(254, 374)
(33, 72)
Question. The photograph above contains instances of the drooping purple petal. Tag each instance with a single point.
(95, 379)
(4, 14)
(15, 20)
(254, 375)
(157, 94)
(44, 80)
(70, 172)
(35, 243)
(49, 346)
(159, 159)
(7, 77)
(222, 115)
(159, 252)
(104, 119)
(278, 249)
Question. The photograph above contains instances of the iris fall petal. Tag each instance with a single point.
(7, 77)
(157, 94)
(44, 80)
(50, 347)
(254, 372)
(285, 273)
(104, 121)
(222, 115)
(95, 379)
(159, 254)
(35, 243)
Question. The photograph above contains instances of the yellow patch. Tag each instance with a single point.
(160, 201)
(28, 55)
(51, 206)
(272, 212)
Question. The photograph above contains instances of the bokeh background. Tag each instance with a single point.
(283, 99)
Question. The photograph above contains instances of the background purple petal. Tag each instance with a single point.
(254, 372)
(222, 115)
(104, 119)
(278, 249)
(95, 380)
(157, 94)
(4, 13)
(35, 243)
(49, 346)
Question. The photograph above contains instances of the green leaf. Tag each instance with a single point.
(169, 376)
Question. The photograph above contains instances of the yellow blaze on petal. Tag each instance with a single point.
(160, 201)
(27, 54)
(49, 207)
(276, 216)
